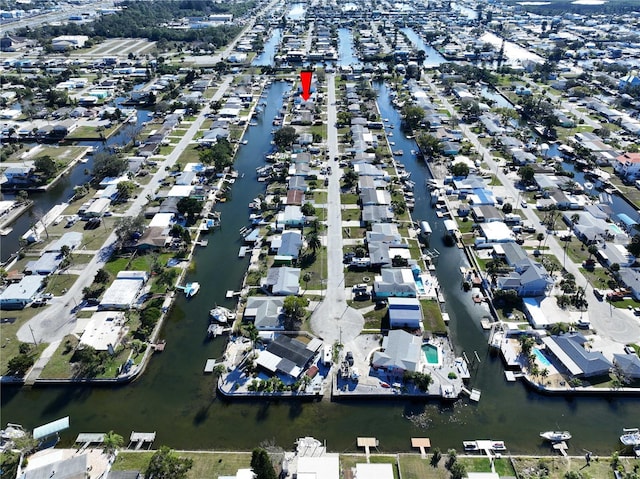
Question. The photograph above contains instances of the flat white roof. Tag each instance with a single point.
(104, 328)
(122, 293)
(325, 467)
(161, 220)
(374, 471)
(180, 191)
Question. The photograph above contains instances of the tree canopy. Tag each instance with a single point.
(295, 306)
(285, 137)
(261, 464)
(460, 169)
(165, 464)
(107, 165)
(412, 115)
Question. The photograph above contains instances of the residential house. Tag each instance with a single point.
(282, 281)
(570, 350)
(405, 313)
(395, 282)
(627, 165)
(287, 355)
(628, 365)
(529, 279)
(401, 352)
(124, 290)
(290, 244)
(265, 313)
(291, 217)
(295, 197)
(377, 214)
(18, 295)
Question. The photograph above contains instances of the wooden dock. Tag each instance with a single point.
(85, 439)
(137, 439)
(422, 443)
(210, 365)
(561, 447)
(367, 443)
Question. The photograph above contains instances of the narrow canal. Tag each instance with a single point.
(433, 58)
(269, 49)
(346, 52)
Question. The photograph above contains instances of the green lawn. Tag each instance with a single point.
(349, 199)
(191, 154)
(316, 266)
(59, 283)
(320, 197)
(351, 215)
(432, 317)
(376, 319)
(205, 464)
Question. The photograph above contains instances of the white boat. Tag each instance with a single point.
(220, 314)
(191, 289)
(556, 436)
(630, 437)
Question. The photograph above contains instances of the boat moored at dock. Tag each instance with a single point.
(630, 437)
(556, 436)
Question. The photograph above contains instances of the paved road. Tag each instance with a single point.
(58, 319)
(612, 324)
(333, 320)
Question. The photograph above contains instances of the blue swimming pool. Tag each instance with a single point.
(431, 353)
(541, 357)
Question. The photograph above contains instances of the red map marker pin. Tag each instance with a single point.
(305, 79)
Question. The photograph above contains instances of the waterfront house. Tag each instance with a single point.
(18, 175)
(377, 214)
(18, 295)
(374, 471)
(72, 239)
(570, 350)
(298, 183)
(265, 313)
(283, 281)
(405, 313)
(46, 264)
(124, 290)
(295, 197)
(529, 279)
(383, 254)
(291, 217)
(401, 352)
(372, 196)
(288, 356)
(628, 365)
(104, 331)
(496, 232)
(627, 165)
(322, 466)
(395, 282)
(290, 244)
(510, 253)
(153, 238)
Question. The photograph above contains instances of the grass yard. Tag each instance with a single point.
(351, 215)
(375, 319)
(320, 197)
(11, 322)
(191, 154)
(59, 283)
(348, 464)
(349, 199)
(529, 468)
(315, 265)
(353, 232)
(59, 365)
(205, 464)
(432, 317)
(352, 277)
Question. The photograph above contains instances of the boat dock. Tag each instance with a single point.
(474, 394)
(137, 439)
(422, 443)
(367, 443)
(85, 439)
(210, 365)
(561, 447)
(243, 251)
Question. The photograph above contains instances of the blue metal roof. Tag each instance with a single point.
(627, 220)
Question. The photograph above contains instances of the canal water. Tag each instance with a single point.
(63, 189)
(346, 52)
(270, 48)
(175, 399)
(433, 58)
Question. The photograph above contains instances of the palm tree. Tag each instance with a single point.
(306, 278)
(313, 241)
(592, 249)
(112, 442)
(540, 237)
(252, 333)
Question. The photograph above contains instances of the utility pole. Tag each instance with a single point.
(35, 343)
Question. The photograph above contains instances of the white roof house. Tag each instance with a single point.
(123, 291)
(323, 467)
(98, 207)
(18, 295)
(401, 351)
(105, 328)
(180, 191)
(374, 471)
(161, 220)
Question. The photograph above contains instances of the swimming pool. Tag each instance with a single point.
(431, 353)
(420, 285)
(614, 227)
(541, 357)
